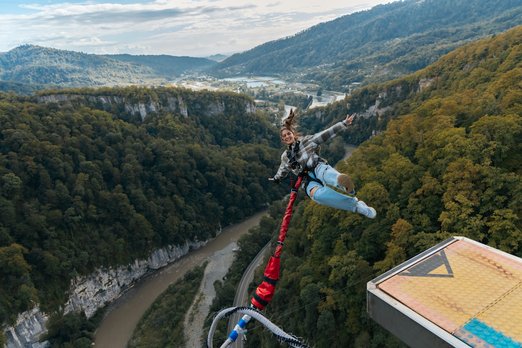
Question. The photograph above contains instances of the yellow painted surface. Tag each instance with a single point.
(506, 314)
(480, 283)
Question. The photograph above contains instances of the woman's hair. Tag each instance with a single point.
(290, 123)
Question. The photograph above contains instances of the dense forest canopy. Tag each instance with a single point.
(83, 188)
(449, 164)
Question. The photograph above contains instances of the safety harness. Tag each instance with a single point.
(308, 174)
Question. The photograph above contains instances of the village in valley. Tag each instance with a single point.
(270, 93)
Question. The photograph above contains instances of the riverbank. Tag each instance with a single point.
(123, 315)
(217, 268)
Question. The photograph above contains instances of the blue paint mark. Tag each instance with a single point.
(233, 335)
(490, 335)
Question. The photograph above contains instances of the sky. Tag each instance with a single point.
(196, 28)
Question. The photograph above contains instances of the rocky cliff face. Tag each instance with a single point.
(111, 102)
(173, 102)
(89, 293)
(29, 326)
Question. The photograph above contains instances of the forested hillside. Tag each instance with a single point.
(379, 44)
(449, 163)
(19, 88)
(83, 188)
(29, 64)
(165, 65)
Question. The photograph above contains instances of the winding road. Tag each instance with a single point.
(242, 297)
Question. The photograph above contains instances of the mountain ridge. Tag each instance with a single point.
(382, 43)
(350, 46)
(37, 65)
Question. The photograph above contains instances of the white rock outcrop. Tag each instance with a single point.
(28, 325)
(174, 104)
(89, 293)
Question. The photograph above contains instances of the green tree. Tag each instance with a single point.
(11, 185)
(17, 293)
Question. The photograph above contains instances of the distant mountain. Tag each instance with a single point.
(40, 65)
(164, 65)
(218, 57)
(35, 65)
(20, 88)
(382, 43)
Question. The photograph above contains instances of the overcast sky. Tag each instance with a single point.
(195, 28)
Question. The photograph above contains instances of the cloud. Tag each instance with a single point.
(177, 27)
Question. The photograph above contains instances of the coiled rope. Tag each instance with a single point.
(249, 312)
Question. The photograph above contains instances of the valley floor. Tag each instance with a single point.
(218, 266)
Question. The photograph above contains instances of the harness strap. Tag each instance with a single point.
(309, 176)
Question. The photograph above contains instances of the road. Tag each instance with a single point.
(242, 297)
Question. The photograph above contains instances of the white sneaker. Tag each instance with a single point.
(365, 210)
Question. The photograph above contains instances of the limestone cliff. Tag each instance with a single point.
(172, 101)
(89, 293)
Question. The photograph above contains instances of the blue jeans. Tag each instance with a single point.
(325, 195)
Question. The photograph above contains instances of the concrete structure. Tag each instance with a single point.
(459, 293)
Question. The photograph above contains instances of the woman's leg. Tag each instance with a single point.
(330, 176)
(331, 198)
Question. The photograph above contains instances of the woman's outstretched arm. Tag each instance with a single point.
(282, 171)
(331, 132)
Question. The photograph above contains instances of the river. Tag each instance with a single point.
(123, 315)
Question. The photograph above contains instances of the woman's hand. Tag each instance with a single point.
(349, 119)
(274, 180)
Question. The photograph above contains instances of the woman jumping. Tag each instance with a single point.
(301, 158)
